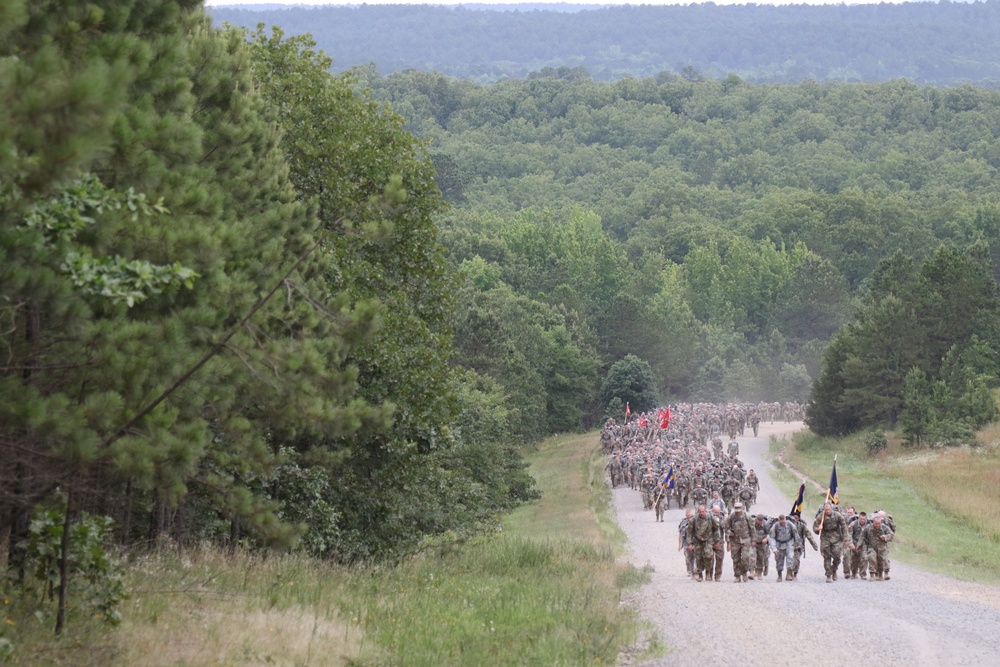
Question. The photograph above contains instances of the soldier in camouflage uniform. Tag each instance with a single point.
(699, 496)
(739, 531)
(800, 546)
(876, 537)
(753, 483)
(703, 533)
(718, 548)
(858, 556)
(851, 517)
(783, 539)
(682, 541)
(887, 520)
(762, 555)
(832, 529)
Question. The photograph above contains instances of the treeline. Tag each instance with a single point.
(926, 42)
(226, 311)
(721, 231)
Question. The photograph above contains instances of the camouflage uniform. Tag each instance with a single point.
(783, 540)
(682, 537)
(887, 521)
(702, 534)
(832, 529)
(740, 533)
(876, 537)
(859, 554)
(762, 555)
(699, 496)
(719, 547)
(800, 546)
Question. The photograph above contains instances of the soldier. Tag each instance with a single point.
(851, 517)
(734, 448)
(762, 555)
(832, 529)
(800, 546)
(699, 496)
(683, 488)
(876, 538)
(682, 541)
(739, 532)
(746, 495)
(887, 520)
(659, 504)
(859, 553)
(703, 533)
(753, 483)
(717, 502)
(783, 539)
(755, 422)
(718, 549)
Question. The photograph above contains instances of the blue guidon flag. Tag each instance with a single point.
(797, 506)
(668, 480)
(831, 494)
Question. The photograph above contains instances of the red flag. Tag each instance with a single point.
(665, 419)
(628, 410)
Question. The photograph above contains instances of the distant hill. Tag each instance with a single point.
(934, 43)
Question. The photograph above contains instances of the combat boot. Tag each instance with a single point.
(779, 575)
(828, 579)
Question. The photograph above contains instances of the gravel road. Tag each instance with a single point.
(916, 618)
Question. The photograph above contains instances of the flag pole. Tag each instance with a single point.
(823, 516)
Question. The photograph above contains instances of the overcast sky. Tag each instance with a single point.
(573, 2)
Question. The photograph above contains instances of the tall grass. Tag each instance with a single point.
(546, 591)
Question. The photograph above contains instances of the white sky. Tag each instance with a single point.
(211, 3)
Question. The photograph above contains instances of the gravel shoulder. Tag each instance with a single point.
(916, 618)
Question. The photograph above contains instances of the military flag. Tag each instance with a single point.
(664, 415)
(668, 479)
(797, 505)
(628, 411)
(831, 492)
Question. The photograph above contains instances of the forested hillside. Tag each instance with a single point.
(926, 42)
(725, 231)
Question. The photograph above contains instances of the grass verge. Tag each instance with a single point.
(946, 503)
(546, 591)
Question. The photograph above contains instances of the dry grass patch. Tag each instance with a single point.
(964, 483)
(225, 633)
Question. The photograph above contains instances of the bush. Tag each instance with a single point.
(875, 442)
(950, 433)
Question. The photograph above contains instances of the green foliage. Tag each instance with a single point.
(95, 583)
(899, 358)
(630, 380)
(875, 442)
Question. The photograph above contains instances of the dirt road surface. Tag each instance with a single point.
(916, 618)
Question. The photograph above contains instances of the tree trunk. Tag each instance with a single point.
(64, 564)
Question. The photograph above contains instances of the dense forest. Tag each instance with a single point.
(724, 231)
(249, 301)
(926, 42)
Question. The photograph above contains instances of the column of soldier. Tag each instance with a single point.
(721, 491)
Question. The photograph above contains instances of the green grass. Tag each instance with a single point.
(933, 534)
(546, 591)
